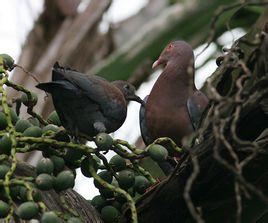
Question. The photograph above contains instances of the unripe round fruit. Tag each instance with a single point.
(27, 101)
(106, 193)
(8, 61)
(157, 152)
(126, 179)
(22, 125)
(86, 164)
(54, 118)
(4, 209)
(14, 116)
(45, 165)
(23, 193)
(103, 141)
(117, 205)
(27, 210)
(50, 217)
(3, 171)
(44, 181)
(58, 163)
(64, 180)
(3, 121)
(34, 121)
(71, 157)
(141, 184)
(5, 145)
(33, 131)
(118, 163)
(106, 176)
(109, 214)
(50, 127)
(98, 201)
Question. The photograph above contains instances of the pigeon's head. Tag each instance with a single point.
(128, 90)
(177, 52)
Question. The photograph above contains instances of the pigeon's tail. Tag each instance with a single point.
(49, 87)
(53, 86)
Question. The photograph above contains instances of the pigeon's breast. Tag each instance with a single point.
(115, 113)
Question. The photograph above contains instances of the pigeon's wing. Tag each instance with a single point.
(196, 104)
(92, 86)
(52, 86)
(107, 97)
(143, 125)
(63, 91)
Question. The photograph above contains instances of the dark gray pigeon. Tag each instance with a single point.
(88, 104)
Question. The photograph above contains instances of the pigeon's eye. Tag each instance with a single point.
(170, 46)
(126, 87)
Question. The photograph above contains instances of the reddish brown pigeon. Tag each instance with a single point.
(174, 106)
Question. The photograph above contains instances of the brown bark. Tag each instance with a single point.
(53, 202)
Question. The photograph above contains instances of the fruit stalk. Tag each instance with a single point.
(11, 131)
(30, 97)
(85, 149)
(118, 190)
(169, 140)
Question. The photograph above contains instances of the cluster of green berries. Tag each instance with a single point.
(51, 171)
(109, 203)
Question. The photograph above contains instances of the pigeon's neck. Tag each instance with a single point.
(122, 91)
(179, 75)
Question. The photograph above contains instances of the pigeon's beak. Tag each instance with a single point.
(156, 64)
(159, 61)
(135, 98)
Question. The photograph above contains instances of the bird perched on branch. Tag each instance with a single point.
(174, 107)
(88, 104)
